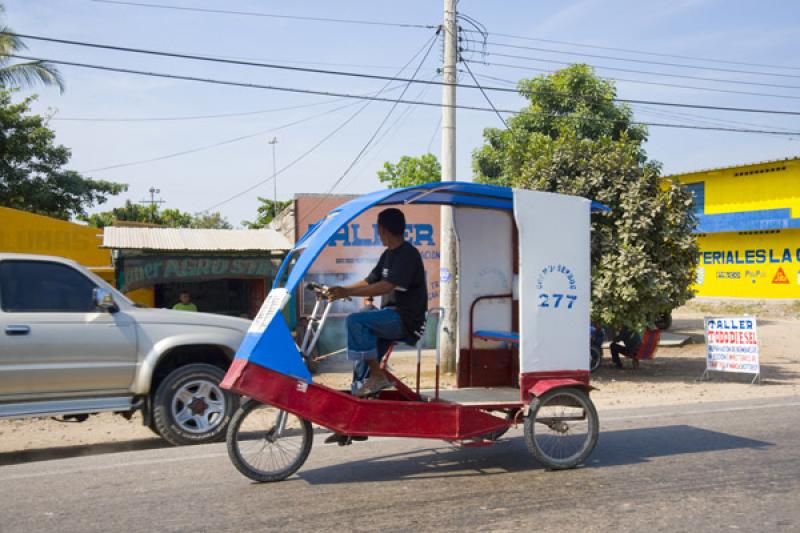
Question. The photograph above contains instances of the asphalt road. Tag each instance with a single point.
(708, 467)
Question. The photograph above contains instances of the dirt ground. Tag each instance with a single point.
(671, 378)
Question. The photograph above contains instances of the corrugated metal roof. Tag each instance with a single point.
(715, 169)
(194, 239)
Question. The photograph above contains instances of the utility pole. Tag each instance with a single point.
(274, 142)
(152, 201)
(448, 272)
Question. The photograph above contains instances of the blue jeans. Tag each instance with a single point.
(369, 335)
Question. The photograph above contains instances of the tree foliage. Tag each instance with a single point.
(23, 74)
(266, 212)
(32, 173)
(151, 214)
(573, 139)
(411, 171)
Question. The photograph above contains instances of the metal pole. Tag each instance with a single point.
(448, 282)
(273, 142)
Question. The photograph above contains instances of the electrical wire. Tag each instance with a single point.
(647, 72)
(231, 83)
(641, 52)
(220, 143)
(641, 82)
(321, 141)
(192, 117)
(264, 15)
(485, 95)
(633, 60)
(373, 136)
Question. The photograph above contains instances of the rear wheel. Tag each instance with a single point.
(261, 450)
(561, 428)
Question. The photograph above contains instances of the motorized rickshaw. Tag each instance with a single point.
(523, 329)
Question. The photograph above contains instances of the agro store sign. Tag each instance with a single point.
(138, 272)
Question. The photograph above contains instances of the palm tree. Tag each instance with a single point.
(26, 73)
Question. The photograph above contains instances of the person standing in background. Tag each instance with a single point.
(185, 303)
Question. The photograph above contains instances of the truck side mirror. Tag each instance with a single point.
(104, 300)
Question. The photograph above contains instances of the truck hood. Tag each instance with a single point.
(188, 318)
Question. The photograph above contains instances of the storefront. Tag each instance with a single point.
(749, 230)
(225, 271)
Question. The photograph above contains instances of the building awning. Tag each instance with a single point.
(194, 240)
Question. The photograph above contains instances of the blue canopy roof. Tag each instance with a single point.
(455, 193)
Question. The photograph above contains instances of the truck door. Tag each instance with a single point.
(54, 340)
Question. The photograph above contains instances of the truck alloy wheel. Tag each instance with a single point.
(190, 407)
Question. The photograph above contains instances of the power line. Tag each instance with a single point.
(220, 143)
(295, 68)
(196, 57)
(641, 52)
(248, 85)
(192, 117)
(374, 134)
(485, 95)
(642, 82)
(633, 60)
(265, 15)
(321, 141)
(647, 72)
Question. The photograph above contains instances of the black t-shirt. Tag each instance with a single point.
(403, 267)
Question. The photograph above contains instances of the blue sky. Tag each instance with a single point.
(764, 32)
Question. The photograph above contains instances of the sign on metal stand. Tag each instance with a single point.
(732, 346)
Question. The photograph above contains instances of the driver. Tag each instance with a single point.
(399, 277)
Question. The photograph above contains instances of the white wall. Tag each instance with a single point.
(485, 267)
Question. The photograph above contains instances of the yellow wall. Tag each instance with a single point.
(145, 296)
(26, 233)
(750, 187)
(747, 264)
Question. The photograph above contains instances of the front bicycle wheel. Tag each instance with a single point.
(561, 428)
(263, 451)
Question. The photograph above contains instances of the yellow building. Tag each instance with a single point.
(749, 229)
(27, 233)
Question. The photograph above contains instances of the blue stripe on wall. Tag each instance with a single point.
(747, 221)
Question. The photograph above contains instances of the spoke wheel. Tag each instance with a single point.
(257, 449)
(561, 428)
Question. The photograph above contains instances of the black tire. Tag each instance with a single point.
(595, 356)
(255, 423)
(189, 407)
(664, 322)
(570, 416)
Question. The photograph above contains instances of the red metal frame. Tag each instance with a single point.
(391, 415)
(539, 383)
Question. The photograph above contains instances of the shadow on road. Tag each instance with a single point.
(82, 450)
(614, 448)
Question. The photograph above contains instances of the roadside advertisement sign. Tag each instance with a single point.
(732, 345)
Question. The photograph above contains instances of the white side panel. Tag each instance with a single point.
(485, 267)
(554, 233)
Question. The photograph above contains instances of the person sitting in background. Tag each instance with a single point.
(185, 303)
(625, 342)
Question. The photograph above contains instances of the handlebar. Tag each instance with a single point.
(322, 291)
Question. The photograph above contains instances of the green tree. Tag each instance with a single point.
(32, 173)
(266, 212)
(573, 139)
(23, 74)
(411, 171)
(150, 214)
(210, 221)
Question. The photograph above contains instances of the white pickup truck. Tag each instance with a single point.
(71, 345)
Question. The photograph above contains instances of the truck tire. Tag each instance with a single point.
(189, 406)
